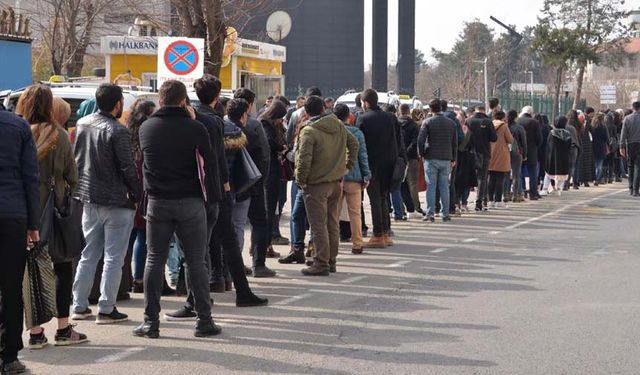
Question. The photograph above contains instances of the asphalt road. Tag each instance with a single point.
(539, 288)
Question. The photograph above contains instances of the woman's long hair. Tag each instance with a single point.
(276, 111)
(598, 120)
(140, 112)
(36, 105)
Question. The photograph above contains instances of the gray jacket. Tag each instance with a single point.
(630, 130)
(106, 172)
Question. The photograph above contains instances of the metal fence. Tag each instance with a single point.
(541, 103)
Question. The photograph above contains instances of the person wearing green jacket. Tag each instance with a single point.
(325, 153)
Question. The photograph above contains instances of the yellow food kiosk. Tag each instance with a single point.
(132, 60)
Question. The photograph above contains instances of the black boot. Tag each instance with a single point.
(150, 329)
(206, 328)
(295, 256)
(217, 285)
(250, 300)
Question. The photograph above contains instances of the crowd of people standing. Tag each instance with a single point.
(183, 179)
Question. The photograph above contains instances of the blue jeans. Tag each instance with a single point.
(239, 220)
(398, 206)
(139, 253)
(437, 175)
(173, 262)
(298, 225)
(107, 231)
(599, 171)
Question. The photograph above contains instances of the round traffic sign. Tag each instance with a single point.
(181, 57)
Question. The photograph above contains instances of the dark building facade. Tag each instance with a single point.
(325, 47)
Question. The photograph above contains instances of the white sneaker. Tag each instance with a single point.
(415, 215)
(492, 205)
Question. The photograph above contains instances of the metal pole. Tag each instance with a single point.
(486, 84)
(531, 72)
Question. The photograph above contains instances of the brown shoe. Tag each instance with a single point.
(272, 253)
(316, 270)
(311, 250)
(387, 240)
(376, 243)
(356, 251)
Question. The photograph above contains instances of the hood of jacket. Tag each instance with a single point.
(234, 138)
(404, 120)
(498, 124)
(562, 134)
(326, 123)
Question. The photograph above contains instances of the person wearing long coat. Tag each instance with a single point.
(601, 150)
(58, 174)
(587, 162)
(558, 158)
(500, 164)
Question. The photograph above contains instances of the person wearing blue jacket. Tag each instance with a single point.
(355, 181)
(19, 220)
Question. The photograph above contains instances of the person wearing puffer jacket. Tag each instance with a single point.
(355, 181)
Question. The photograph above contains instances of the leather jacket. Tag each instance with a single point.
(106, 170)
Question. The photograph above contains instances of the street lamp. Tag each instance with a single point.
(531, 73)
(486, 81)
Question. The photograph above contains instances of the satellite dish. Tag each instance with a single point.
(278, 25)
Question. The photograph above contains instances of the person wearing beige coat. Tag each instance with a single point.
(500, 164)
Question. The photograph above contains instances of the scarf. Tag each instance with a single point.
(46, 137)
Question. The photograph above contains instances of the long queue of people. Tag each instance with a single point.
(183, 179)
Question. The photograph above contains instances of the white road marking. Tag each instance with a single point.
(117, 357)
(293, 299)
(495, 232)
(562, 209)
(469, 240)
(398, 264)
(354, 279)
(441, 250)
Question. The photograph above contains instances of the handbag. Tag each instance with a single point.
(399, 173)
(286, 169)
(39, 287)
(67, 226)
(61, 226)
(245, 172)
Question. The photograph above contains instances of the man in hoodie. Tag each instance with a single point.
(484, 133)
(321, 163)
(410, 132)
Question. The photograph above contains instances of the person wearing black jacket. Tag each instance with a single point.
(534, 140)
(379, 128)
(454, 171)
(19, 222)
(519, 144)
(484, 133)
(217, 176)
(108, 185)
(172, 141)
(438, 145)
(258, 148)
(410, 132)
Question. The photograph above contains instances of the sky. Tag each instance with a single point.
(438, 23)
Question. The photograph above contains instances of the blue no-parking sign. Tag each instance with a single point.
(180, 59)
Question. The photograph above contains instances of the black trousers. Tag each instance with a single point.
(379, 198)
(496, 186)
(13, 244)
(224, 237)
(260, 227)
(64, 282)
(186, 218)
(633, 157)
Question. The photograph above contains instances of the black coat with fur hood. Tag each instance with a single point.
(234, 142)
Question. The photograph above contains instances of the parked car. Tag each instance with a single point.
(76, 93)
